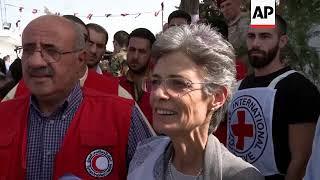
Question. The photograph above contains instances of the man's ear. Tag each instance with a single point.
(219, 97)
(283, 40)
(82, 57)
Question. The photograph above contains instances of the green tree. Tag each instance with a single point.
(302, 17)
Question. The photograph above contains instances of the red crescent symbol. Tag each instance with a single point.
(94, 163)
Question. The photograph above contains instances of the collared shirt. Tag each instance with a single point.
(134, 88)
(99, 70)
(46, 133)
(84, 77)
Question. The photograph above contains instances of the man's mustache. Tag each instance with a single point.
(92, 56)
(254, 50)
(42, 71)
(134, 61)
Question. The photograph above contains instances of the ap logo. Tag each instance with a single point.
(263, 13)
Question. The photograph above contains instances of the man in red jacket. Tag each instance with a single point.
(138, 58)
(89, 78)
(62, 130)
(98, 39)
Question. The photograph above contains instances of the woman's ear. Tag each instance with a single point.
(219, 97)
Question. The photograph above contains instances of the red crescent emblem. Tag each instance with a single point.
(94, 163)
(99, 163)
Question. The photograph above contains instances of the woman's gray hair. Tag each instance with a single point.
(210, 51)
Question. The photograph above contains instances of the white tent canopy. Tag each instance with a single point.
(8, 42)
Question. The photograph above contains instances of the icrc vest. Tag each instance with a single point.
(249, 126)
(94, 145)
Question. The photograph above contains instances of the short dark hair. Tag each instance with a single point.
(122, 38)
(77, 20)
(16, 70)
(180, 14)
(74, 19)
(281, 25)
(143, 33)
(220, 26)
(99, 29)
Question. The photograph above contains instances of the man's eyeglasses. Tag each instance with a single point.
(174, 86)
(49, 54)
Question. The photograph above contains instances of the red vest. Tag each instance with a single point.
(101, 124)
(98, 82)
(241, 69)
(102, 83)
(105, 73)
(144, 102)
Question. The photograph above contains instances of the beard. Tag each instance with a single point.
(93, 61)
(136, 67)
(92, 64)
(140, 70)
(265, 58)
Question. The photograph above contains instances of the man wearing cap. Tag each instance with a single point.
(238, 23)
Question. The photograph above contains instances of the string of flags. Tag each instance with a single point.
(22, 9)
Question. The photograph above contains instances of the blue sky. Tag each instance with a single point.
(95, 7)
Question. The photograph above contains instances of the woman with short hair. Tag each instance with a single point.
(191, 85)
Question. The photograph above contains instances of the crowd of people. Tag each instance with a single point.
(10, 73)
(196, 101)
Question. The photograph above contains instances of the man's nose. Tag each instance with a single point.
(136, 54)
(256, 43)
(93, 48)
(36, 60)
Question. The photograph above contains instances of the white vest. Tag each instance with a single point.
(249, 126)
(312, 171)
(145, 158)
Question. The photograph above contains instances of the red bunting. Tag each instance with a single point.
(138, 15)
(17, 23)
(89, 16)
(156, 13)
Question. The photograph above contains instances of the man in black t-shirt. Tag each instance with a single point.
(272, 117)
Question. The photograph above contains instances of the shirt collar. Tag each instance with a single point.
(84, 77)
(98, 70)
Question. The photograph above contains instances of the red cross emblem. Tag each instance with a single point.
(242, 129)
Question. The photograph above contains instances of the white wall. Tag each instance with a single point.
(8, 42)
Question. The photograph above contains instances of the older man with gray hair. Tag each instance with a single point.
(62, 130)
